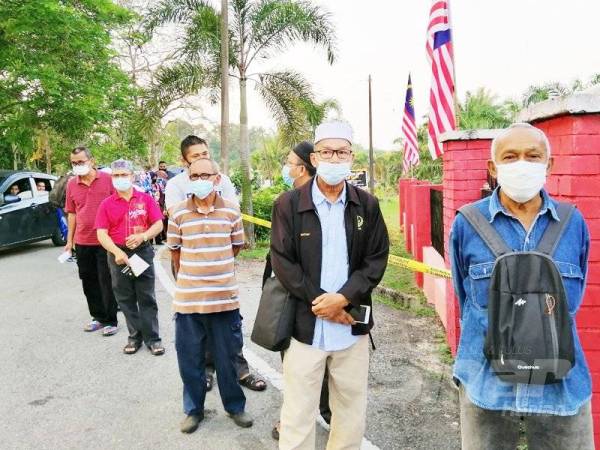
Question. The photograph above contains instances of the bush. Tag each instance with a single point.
(262, 203)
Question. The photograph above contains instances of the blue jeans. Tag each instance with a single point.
(194, 333)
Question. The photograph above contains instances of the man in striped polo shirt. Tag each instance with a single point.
(205, 234)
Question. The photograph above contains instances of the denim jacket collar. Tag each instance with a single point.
(497, 207)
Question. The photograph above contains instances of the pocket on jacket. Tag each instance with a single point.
(572, 277)
(479, 276)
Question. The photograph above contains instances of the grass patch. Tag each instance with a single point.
(397, 278)
(258, 253)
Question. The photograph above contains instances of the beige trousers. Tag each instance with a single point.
(303, 370)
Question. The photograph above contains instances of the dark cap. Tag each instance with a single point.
(303, 150)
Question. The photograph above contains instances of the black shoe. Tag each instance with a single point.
(190, 423)
(209, 382)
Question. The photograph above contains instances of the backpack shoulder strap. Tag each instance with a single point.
(483, 228)
(555, 229)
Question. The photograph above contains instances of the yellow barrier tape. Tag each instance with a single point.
(405, 263)
(256, 220)
(417, 266)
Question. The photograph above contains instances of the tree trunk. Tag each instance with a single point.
(245, 162)
(224, 87)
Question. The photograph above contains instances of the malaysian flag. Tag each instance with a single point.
(441, 58)
(409, 131)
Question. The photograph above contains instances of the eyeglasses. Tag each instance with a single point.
(79, 163)
(201, 176)
(343, 154)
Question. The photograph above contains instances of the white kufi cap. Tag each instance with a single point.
(334, 130)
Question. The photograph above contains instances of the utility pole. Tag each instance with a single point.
(225, 86)
(371, 178)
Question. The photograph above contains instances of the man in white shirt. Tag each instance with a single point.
(194, 148)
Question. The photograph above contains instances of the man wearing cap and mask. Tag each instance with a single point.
(126, 223)
(297, 171)
(330, 269)
(520, 212)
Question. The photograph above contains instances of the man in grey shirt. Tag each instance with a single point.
(194, 148)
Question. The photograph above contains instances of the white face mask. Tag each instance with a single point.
(81, 171)
(521, 180)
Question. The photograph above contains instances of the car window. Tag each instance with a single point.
(43, 186)
(21, 188)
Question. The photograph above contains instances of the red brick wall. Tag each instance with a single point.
(575, 142)
(464, 175)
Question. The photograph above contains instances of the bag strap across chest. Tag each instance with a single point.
(496, 244)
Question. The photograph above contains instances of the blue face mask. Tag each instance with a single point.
(201, 188)
(121, 184)
(287, 178)
(333, 174)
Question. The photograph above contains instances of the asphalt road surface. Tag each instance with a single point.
(61, 388)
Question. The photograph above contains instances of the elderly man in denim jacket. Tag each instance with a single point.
(492, 411)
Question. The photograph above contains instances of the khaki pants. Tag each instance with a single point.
(303, 371)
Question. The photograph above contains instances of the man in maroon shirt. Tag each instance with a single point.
(85, 192)
(126, 223)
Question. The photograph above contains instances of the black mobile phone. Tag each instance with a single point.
(361, 315)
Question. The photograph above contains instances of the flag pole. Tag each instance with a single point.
(371, 179)
(454, 96)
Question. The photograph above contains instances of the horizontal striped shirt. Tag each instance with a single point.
(206, 280)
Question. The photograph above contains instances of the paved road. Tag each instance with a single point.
(61, 388)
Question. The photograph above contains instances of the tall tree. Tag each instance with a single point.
(57, 75)
(258, 30)
(481, 110)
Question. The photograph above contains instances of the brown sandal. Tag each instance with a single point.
(131, 348)
(156, 349)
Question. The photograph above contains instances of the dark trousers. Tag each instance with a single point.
(241, 365)
(96, 281)
(500, 430)
(136, 297)
(194, 333)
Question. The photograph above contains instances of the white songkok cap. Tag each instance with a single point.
(334, 130)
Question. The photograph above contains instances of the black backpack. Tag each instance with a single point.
(529, 337)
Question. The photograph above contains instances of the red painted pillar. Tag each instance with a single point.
(465, 173)
(575, 142)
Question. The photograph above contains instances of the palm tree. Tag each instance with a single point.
(258, 29)
(309, 114)
(481, 110)
(536, 94)
(269, 159)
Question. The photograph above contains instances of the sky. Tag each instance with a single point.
(504, 46)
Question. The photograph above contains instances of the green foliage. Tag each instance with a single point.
(481, 110)
(58, 78)
(262, 202)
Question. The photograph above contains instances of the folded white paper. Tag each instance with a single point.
(63, 257)
(137, 264)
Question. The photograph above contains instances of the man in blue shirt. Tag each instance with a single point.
(554, 415)
(330, 269)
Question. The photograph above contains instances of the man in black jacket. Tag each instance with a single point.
(330, 268)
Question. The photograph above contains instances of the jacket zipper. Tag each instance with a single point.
(550, 304)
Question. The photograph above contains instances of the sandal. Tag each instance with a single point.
(253, 383)
(131, 348)
(156, 349)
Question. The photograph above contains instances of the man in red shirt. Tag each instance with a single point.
(85, 192)
(126, 223)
